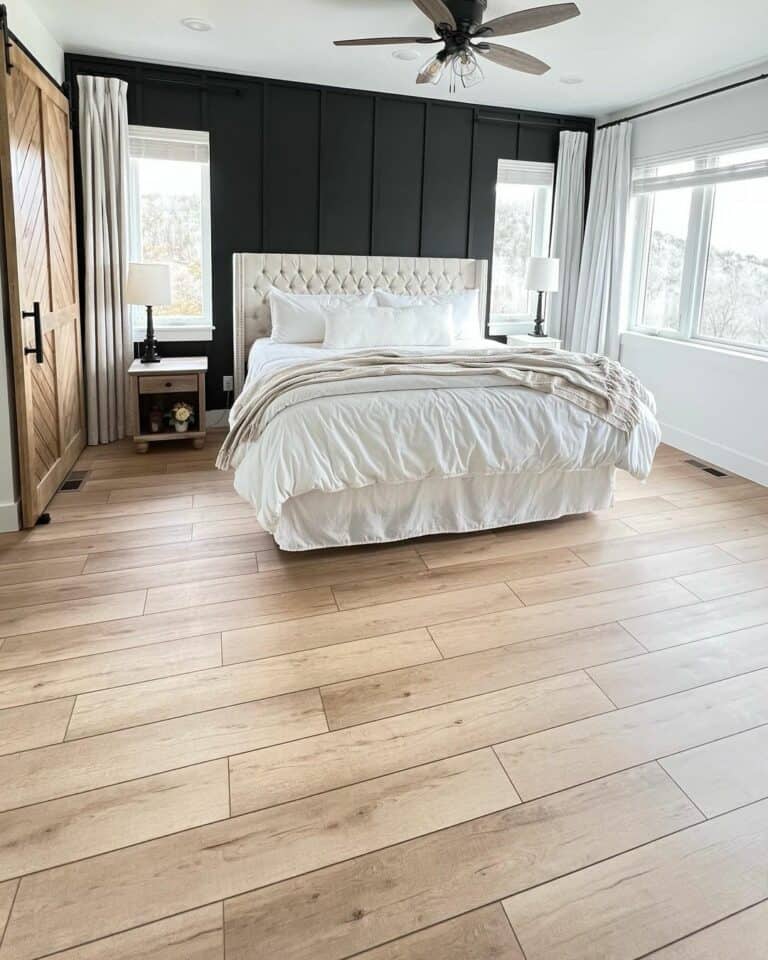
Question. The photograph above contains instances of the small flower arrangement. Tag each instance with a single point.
(180, 416)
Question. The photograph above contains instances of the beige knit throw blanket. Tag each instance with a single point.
(594, 383)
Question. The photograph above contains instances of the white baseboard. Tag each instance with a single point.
(217, 418)
(717, 453)
(9, 517)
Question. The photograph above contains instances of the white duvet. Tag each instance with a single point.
(322, 439)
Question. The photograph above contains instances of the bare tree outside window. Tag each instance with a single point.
(171, 230)
(169, 222)
(511, 248)
(703, 267)
(665, 259)
(522, 222)
(735, 306)
(171, 234)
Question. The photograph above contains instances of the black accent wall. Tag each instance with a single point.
(305, 169)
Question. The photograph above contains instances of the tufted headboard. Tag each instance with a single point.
(255, 273)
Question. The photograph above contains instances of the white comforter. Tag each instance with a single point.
(321, 439)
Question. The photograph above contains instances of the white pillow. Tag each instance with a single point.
(357, 327)
(300, 317)
(466, 306)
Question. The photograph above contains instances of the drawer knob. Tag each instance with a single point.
(168, 383)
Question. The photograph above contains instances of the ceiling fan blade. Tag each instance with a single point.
(375, 41)
(437, 12)
(524, 20)
(514, 59)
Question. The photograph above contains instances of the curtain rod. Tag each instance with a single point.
(562, 123)
(679, 103)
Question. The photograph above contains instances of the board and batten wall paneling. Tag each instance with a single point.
(447, 179)
(236, 214)
(167, 103)
(291, 172)
(310, 169)
(538, 144)
(493, 140)
(398, 177)
(346, 153)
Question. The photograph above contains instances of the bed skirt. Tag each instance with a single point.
(386, 512)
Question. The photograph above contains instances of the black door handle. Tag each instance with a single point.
(38, 347)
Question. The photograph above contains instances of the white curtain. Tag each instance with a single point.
(596, 319)
(104, 171)
(568, 230)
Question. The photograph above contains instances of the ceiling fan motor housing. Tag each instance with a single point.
(468, 14)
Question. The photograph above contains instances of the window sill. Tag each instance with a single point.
(704, 345)
(177, 334)
(501, 326)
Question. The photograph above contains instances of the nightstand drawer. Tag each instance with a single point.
(160, 384)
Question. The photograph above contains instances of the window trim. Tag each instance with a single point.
(174, 328)
(702, 182)
(182, 333)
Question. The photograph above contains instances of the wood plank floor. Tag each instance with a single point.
(539, 743)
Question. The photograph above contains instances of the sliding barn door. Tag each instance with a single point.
(39, 222)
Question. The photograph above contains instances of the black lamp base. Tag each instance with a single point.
(149, 352)
(538, 323)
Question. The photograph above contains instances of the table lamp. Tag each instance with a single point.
(149, 284)
(542, 276)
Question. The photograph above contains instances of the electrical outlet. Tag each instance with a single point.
(229, 384)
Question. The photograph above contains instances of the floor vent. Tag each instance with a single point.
(75, 480)
(707, 469)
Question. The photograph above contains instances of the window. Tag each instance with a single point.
(170, 222)
(698, 248)
(521, 230)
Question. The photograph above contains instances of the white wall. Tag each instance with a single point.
(24, 23)
(712, 403)
(724, 116)
(9, 499)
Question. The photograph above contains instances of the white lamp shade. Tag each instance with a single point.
(543, 274)
(149, 284)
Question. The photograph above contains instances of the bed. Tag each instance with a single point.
(386, 464)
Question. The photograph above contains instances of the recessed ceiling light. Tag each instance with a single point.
(571, 78)
(196, 24)
(405, 55)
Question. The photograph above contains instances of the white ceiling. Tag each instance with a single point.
(626, 51)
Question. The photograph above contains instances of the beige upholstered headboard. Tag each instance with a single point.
(255, 273)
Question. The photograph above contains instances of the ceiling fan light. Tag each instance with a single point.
(431, 71)
(466, 69)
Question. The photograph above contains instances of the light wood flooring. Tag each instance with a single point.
(542, 743)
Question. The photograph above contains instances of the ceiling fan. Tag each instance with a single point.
(459, 27)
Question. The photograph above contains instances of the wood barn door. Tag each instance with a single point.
(39, 221)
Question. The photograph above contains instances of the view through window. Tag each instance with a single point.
(169, 222)
(521, 230)
(698, 248)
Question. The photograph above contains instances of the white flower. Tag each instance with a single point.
(182, 414)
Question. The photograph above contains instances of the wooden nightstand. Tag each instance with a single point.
(155, 387)
(523, 340)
